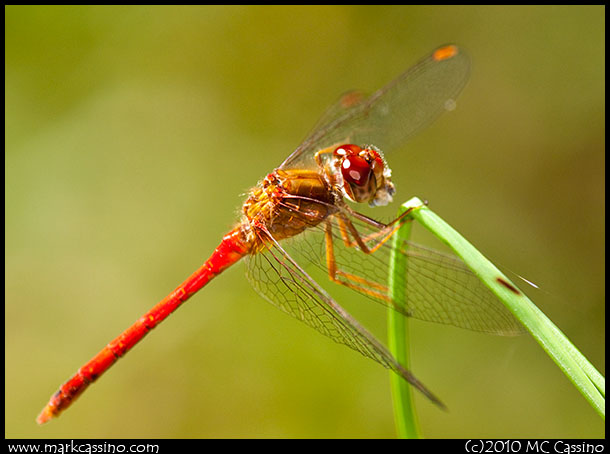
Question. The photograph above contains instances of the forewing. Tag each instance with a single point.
(394, 113)
(439, 287)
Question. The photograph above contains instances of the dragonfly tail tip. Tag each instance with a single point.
(45, 416)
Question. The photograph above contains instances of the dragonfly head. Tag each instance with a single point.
(363, 175)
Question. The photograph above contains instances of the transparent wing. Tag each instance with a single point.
(439, 287)
(346, 102)
(394, 113)
(282, 282)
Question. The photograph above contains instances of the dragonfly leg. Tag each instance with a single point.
(352, 281)
(318, 155)
(385, 231)
(347, 230)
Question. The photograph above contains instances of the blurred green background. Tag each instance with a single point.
(132, 135)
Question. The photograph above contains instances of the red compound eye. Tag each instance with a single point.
(356, 170)
(347, 150)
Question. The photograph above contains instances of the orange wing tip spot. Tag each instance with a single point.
(351, 98)
(445, 52)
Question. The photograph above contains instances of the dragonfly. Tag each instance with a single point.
(301, 213)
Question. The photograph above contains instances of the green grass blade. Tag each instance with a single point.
(571, 361)
(398, 341)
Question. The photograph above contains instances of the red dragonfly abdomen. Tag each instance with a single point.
(232, 248)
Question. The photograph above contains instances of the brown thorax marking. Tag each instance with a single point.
(286, 203)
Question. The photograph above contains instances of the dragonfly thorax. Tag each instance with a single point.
(286, 203)
(362, 175)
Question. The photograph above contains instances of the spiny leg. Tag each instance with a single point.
(318, 155)
(347, 229)
(349, 280)
(386, 231)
